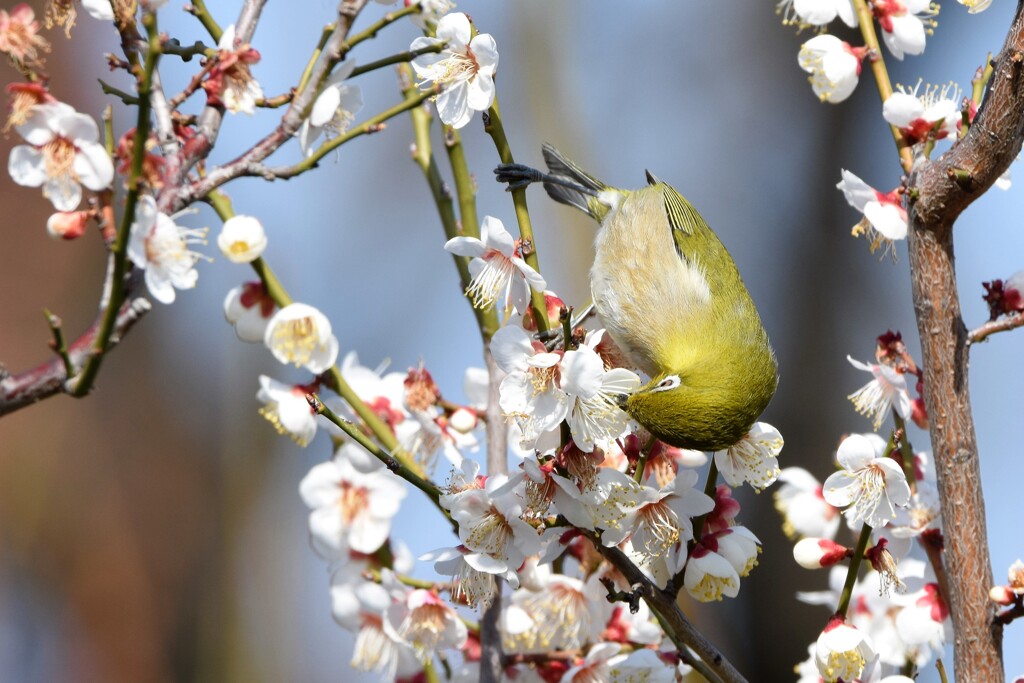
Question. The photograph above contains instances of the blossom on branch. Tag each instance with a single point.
(498, 269)
(885, 219)
(231, 83)
(249, 307)
(905, 24)
(464, 68)
(285, 406)
(334, 109)
(816, 12)
(63, 153)
(888, 390)
(803, 508)
(752, 459)
(242, 239)
(870, 484)
(834, 66)
(160, 246)
(301, 335)
(932, 114)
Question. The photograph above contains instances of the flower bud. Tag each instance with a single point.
(67, 224)
(463, 420)
(242, 239)
(1001, 595)
(815, 553)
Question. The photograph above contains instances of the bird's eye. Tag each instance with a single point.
(670, 382)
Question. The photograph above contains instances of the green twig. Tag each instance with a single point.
(372, 29)
(127, 98)
(325, 35)
(641, 463)
(494, 127)
(58, 345)
(389, 459)
(187, 52)
(851, 571)
(399, 58)
(119, 248)
(199, 11)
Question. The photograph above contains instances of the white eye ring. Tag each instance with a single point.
(670, 382)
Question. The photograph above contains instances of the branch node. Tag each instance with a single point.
(962, 177)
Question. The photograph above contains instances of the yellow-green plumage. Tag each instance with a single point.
(670, 296)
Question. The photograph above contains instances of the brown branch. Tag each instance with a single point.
(677, 627)
(48, 379)
(940, 192)
(1005, 324)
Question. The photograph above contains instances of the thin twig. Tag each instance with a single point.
(1004, 324)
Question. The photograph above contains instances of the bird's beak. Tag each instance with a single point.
(621, 400)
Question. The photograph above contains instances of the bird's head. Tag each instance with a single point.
(660, 401)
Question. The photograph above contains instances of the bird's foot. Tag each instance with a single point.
(517, 176)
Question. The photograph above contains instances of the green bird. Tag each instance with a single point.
(670, 296)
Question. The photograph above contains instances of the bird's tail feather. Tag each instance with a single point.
(582, 197)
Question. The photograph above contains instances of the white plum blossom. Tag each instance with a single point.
(611, 503)
(231, 82)
(753, 459)
(593, 413)
(834, 67)
(464, 69)
(248, 307)
(497, 268)
(905, 24)
(472, 574)
(530, 393)
(934, 113)
(709, 575)
(427, 623)
(817, 12)
(663, 518)
(334, 109)
(593, 667)
(800, 502)
(887, 390)
(870, 484)
(884, 213)
(285, 406)
(563, 613)
(301, 335)
(351, 510)
(160, 247)
(842, 651)
(975, 6)
(63, 153)
(643, 665)
(359, 606)
(242, 239)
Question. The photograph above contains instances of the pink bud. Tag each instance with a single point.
(815, 553)
(67, 224)
(1001, 595)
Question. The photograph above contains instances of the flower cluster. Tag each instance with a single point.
(900, 616)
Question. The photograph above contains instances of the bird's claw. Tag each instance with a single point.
(517, 176)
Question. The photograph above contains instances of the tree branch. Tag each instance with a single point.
(938, 198)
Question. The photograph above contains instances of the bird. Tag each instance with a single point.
(671, 297)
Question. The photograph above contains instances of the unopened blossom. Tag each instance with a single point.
(870, 484)
(753, 459)
(975, 6)
(593, 412)
(815, 553)
(1005, 297)
(301, 335)
(842, 651)
(334, 110)
(803, 508)
(921, 114)
(888, 390)
(68, 224)
(63, 153)
(242, 239)
(19, 36)
(816, 13)
(161, 248)
(231, 82)
(883, 212)
(427, 623)
(464, 69)
(834, 66)
(285, 406)
(350, 509)
(498, 269)
(248, 308)
(709, 576)
(593, 667)
(905, 24)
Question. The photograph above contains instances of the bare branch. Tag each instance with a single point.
(940, 191)
(1004, 324)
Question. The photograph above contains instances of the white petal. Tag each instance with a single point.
(486, 52)
(93, 167)
(480, 92)
(888, 219)
(325, 106)
(511, 347)
(455, 29)
(26, 166)
(495, 236)
(901, 108)
(452, 105)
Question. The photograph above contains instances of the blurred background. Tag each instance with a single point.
(154, 531)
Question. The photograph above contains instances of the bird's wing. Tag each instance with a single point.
(683, 219)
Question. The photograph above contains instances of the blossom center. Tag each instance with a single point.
(352, 501)
(661, 525)
(296, 339)
(59, 157)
